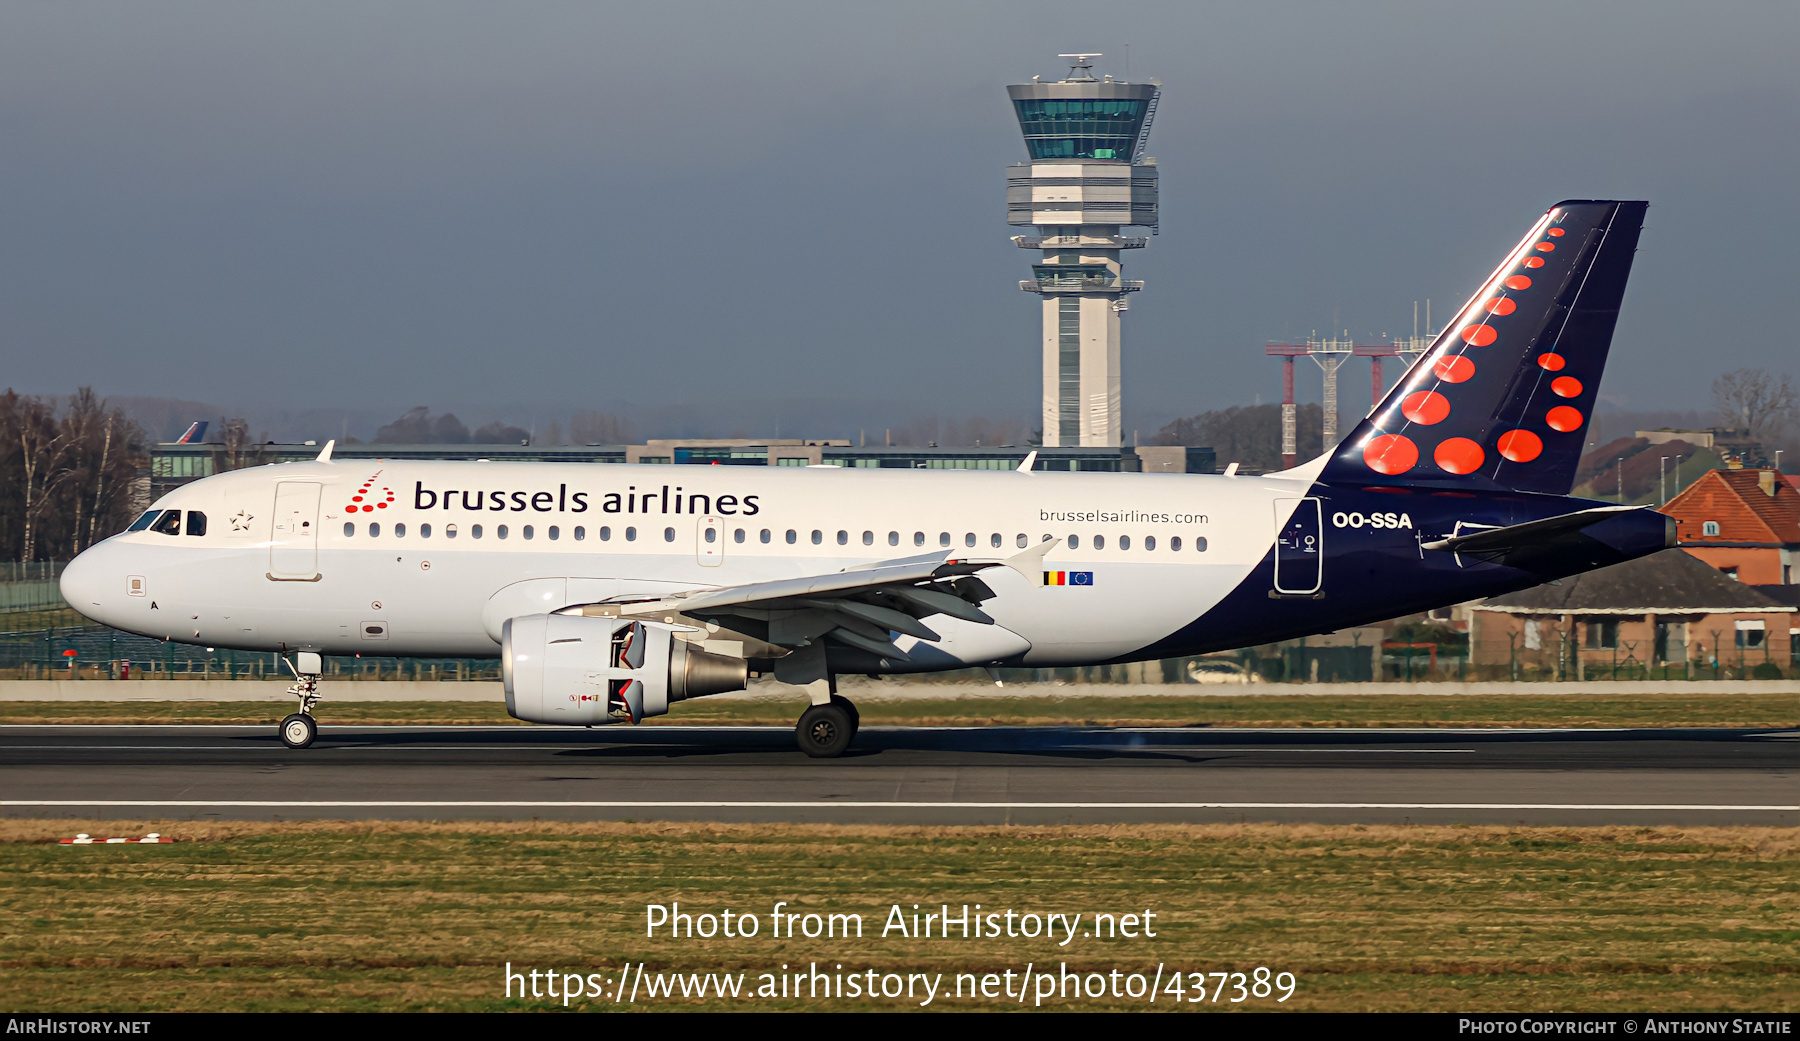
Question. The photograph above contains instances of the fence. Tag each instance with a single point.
(98, 652)
(30, 587)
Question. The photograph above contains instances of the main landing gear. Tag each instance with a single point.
(825, 731)
(299, 729)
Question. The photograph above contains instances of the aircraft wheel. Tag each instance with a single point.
(850, 707)
(298, 730)
(825, 731)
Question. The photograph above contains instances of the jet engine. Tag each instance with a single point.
(583, 671)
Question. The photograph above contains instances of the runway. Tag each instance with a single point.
(899, 775)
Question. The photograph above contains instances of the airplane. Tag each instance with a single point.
(610, 593)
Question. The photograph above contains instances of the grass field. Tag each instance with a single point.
(1724, 709)
(416, 916)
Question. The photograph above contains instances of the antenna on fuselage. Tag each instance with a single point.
(325, 453)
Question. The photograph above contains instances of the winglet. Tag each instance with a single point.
(325, 453)
(1030, 562)
(1030, 461)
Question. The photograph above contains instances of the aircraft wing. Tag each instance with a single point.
(860, 607)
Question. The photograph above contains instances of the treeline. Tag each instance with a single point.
(419, 427)
(1249, 435)
(67, 473)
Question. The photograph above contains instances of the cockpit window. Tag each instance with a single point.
(145, 521)
(196, 523)
(168, 524)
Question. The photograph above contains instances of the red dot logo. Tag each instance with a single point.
(1455, 369)
(1425, 407)
(1557, 233)
(1565, 386)
(1390, 454)
(1458, 455)
(1501, 305)
(1563, 418)
(1518, 283)
(1519, 446)
(1479, 335)
(381, 505)
(1534, 261)
(1546, 247)
(1553, 362)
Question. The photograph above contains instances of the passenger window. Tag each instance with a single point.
(818, 536)
(1175, 543)
(1022, 541)
(738, 535)
(145, 521)
(196, 522)
(1149, 541)
(969, 539)
(605, 533)
(374, 529)
(168, 524)
(349, 528)
(554, 533)
(918, 538)
(424, 531)
(400, 530)
(527, 532)
(893, 538)
(449, 531)
(1200, 544)
(996, 541)
(843, 538)
(711, 535)
(868, 538)
(500, 531)
(1099, 541)
(1074, 541)
(943, 539)
(1124, 541)
(580, 533)
(630, 534)
(668, 534)
(763, 536)
(475, 530)
(792, 536)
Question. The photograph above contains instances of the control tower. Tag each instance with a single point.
(1087, 179)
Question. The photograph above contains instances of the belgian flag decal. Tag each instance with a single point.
(1068, 578)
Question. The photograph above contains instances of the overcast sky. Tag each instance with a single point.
(793, 213)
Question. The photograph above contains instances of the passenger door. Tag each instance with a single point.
(1299, 547)
(294, 546)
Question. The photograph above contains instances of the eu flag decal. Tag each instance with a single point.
(1068, 578)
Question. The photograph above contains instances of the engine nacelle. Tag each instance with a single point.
(582, 671)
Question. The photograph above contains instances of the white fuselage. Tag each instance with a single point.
(414, 558)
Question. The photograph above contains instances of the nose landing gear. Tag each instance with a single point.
(299, 729)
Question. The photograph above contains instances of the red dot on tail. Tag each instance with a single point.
(1553, 362)
(1534, 261)
(1501, 305)
(1546, 247)
(1563, 418)
(1566, 386)
(1557, 233)
(1453, 369)
(1520, 446)
(1517, 282)
(1479, 335)
(1425, 407)
(1390, 454)
(1458, 455)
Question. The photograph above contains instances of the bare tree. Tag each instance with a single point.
(1755, 402)
(236, 450)
(599, 428)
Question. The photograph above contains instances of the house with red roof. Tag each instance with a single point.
(1746, 523)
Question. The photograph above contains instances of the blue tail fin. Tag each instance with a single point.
(1505, 395)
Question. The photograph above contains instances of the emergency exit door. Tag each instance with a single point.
(1299, 547)
(294, 545)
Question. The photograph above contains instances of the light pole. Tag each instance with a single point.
(1621, 465)
(1662, 480)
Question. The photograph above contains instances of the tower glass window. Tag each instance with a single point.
(1080, 128)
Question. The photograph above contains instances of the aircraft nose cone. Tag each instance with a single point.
(83, 584)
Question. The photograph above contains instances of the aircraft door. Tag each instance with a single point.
(1299, 547)
(294, 547)
(710, 546)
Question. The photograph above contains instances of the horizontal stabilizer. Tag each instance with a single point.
(1516, 536)
(1566, 544)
